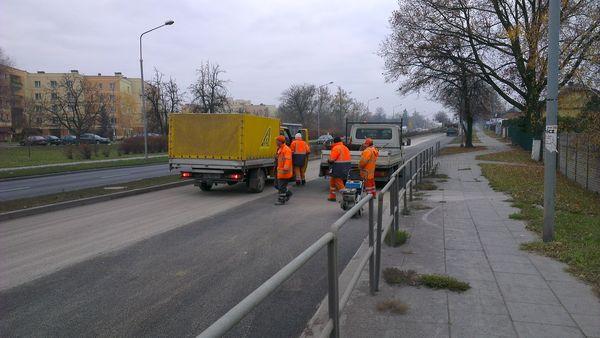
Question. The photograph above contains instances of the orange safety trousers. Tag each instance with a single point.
(335, 185)
(300, 173)
(370, 187)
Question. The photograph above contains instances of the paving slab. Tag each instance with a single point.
(468, 234)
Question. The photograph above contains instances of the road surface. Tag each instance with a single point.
(168, 263)
(44, 185)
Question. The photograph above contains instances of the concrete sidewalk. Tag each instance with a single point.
(467, 234)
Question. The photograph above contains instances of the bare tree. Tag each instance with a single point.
(74, 103)
(442, 118)
(299, 104)
(209, 92)
(154, 96)
(502, 42)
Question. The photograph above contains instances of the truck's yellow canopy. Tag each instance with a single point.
(222, 136)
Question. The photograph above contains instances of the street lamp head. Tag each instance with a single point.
(330, 82)
(169, 22)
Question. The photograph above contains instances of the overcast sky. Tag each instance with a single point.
(264, 46)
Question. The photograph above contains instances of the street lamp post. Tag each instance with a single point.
(319, 110)
(369, 101)
(394, 111)
(167, 23)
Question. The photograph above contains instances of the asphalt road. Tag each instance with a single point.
(168, 263)
(38, 186)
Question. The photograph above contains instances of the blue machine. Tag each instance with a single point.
(352, 192)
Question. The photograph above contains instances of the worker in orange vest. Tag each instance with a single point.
(284, 170)
(368, 159)
(339, 160)
(300, 151)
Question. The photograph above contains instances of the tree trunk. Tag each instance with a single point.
(469, 139)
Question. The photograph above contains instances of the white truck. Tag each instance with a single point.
(387, 138)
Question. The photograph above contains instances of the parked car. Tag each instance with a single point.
(69, 139)
(324, 139)
(90, 138)
(451, 131)
(51, 139)
(34, 141)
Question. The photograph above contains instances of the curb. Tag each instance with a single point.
(76, 172)
(88, 200)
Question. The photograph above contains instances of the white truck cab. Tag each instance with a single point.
(387, 138)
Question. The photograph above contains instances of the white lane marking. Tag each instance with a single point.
(15, 189)
(117, 175)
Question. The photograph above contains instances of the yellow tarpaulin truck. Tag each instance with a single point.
(224, 148)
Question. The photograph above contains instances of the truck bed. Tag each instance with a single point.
(387, 158)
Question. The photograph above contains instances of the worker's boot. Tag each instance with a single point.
(303, 182)
(282, 198)
(288, 194)
(298, 182)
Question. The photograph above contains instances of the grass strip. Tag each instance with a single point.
(19, 156)
(37, 201)
(577, 223)
(514, 155)
(82, 166)
(460, 150)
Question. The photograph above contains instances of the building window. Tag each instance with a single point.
(38, 96)
(111, 86)
(53, 84)
(100, 85)
(38, 120)
(38, 109)
(54, 96)
(111, 97)
(37, 84)
(55, 121)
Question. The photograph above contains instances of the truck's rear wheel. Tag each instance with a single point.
(256, 181)
(205, 186)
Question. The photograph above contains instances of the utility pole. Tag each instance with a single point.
(550, 140)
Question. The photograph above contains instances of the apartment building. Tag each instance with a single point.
(26, 96)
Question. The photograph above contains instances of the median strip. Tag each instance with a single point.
(41, 204)
(69, 168)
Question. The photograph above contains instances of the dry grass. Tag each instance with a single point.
(395, 276)
(426, 186)
(460, 150)
(515, 155)
(393, 306)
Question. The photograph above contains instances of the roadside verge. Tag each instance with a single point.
(89, 200)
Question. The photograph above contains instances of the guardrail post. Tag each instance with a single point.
(396, 210)
(333, 289)
(372, 246)
(405, 209)
(378, 240)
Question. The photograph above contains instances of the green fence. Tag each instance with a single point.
(518, 136)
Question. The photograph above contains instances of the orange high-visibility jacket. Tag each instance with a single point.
(300, 147)
(340, 155)
(284, 162)
(368, 159)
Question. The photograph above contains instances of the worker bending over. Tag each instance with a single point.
(284, 170)
(368, 159)
(339, 160)
(300, 151)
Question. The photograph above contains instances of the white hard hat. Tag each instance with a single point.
(298, 136)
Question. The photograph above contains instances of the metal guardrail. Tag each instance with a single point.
(408, 176)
